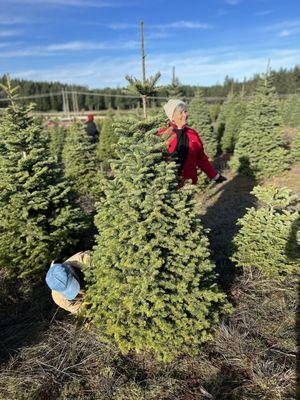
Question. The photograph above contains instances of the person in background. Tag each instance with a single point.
(66, 281)
(185, 145)
(91, 129)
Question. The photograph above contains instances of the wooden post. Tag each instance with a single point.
(143, 69)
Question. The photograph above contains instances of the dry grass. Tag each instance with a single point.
(252, 356)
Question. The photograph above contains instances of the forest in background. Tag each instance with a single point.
(285, 82)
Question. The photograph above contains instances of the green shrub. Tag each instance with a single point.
(263, 242)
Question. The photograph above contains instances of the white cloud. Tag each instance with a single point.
(284, 28)
(233, 2)
(186, 25)
(284, 33)
(262, 13)
(192, 67)
(76, 46)
(165, 26)
(121, 26)
(70, 3)
(8, 33)
(12, 20)
(86, 46)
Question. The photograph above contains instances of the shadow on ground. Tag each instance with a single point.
(222, 207)
(23, 318)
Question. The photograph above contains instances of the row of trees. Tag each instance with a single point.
(285, 81)
(153, 285)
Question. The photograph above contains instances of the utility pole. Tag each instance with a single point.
(173, 77)
(143, 69)
(75, 102)
(66, 107)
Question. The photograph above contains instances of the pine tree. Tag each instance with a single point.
(295, 147)
(223, 114)
(174, 90)
(263, 241)
(38, 221)
(234, 119)
(291, 111)
(57, 140)
(79, 158)
(261, 141)
(199, 118)
(152, 286)
(105, 148)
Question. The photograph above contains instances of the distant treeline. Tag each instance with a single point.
(285, 82)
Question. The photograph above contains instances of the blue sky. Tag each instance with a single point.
(96, 42)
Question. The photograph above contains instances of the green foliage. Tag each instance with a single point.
(79, 158)
(295, 147)
(38, 221)
(105, 148)
(152, 286)
(263, 242)
(235, 115)
(291, 111)
(214, 110)
(199, 118)
(146, 88)
(261, 140)
(223, 114)
(57, 140)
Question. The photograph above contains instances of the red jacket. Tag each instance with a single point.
(196, 157)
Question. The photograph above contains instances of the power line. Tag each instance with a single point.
(51, 94)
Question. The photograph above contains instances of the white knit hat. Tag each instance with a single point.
(170, 106)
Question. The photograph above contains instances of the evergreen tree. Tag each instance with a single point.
(223, 114)
(105, 148)
(152, 286)
(262, 243)
(79, 158)
(38, 221)
(57, 140)
(199, 118)
(174, 90)
(261, 140)
(295, 148)
(234, 119)
(291, 111)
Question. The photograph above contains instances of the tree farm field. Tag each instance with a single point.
(193, 289)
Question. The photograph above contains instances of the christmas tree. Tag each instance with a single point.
(38, 221)
(152, 286)
(295, 147)
(105, 148)
(79, 159)
(291, 111)
(57, 140)
(199, 119)
(262, 243)
(223, 114)
(234, 119)
(174, 89)
(261, 140)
